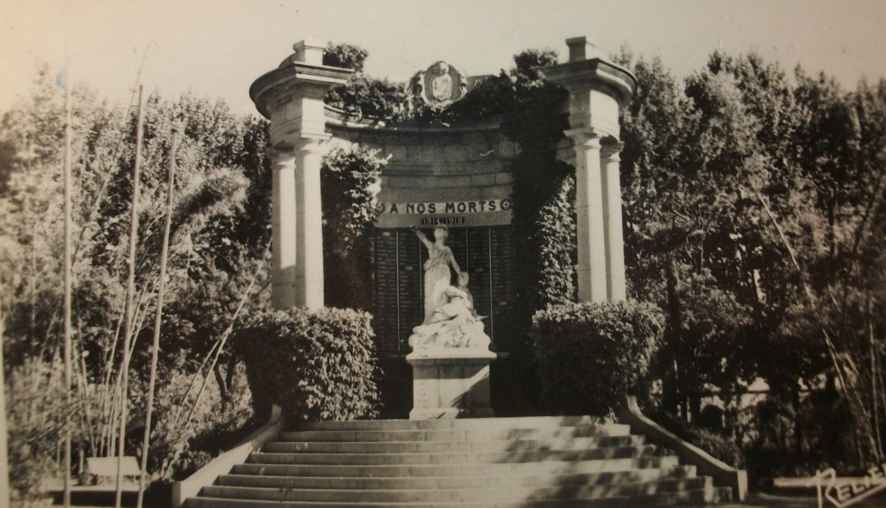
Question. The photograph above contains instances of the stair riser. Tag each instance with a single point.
(495, 462)
(533, 422)
(581, 443)
(455, 435)
(308, 482)
(450, 458)
(522, 469)
(463, 494)
(700, 496)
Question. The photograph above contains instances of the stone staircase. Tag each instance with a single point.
(490, 462)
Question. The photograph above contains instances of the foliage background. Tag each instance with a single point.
(754, 218)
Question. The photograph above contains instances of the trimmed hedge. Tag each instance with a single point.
(317, 365)
(591, 355)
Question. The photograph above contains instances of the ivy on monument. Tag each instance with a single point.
(528, 109)
(350, 181)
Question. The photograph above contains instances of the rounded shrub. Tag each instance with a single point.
(591, 355)
(317, 365)
(717, 444)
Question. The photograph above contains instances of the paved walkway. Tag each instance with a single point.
(758, 501)
(773, 501)
(754, 501)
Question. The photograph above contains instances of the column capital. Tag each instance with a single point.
(311, 144)
(611, 148)
(281, 151)
(586, 136)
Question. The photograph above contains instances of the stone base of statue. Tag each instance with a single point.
(450, 359)
(450, 383)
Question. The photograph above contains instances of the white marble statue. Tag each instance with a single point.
(454, 323)
(437, 274)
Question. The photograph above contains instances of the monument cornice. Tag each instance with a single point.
(588, 73)
(338, 118)
(294, 73)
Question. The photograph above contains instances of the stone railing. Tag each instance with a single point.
(222, 464)
(707, 465)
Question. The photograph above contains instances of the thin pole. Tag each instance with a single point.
(67, 184)
(4, 455)
(130, 292)
(158, 319)
(874, 378)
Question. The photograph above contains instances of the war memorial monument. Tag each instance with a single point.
(443, 262)
(455, 180)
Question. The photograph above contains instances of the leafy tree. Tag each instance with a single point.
(734, 212)
(213, 248)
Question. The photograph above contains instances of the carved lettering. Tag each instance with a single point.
(474, 207)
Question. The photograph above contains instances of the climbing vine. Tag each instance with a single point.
(363, 96)
(350, 182)
(528, 109)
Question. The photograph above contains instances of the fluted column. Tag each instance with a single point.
(589, 210)
(309, 224)
(615, 256)
(283, 229)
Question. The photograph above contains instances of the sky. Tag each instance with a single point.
(217, 48)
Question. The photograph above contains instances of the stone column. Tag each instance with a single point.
(309, 290)
(615, 256)
(291, 96)
(283, 229)
(589, 210)
(598, 90)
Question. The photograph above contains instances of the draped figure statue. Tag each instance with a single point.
(437, 275)
(454, 324)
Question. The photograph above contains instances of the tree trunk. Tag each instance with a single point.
(129, 334)
(229, 376)
(220, 379)
(672, 392)
(4, 458)
(798, 423)
(695, 407)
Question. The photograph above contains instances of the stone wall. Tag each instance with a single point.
(437, 164)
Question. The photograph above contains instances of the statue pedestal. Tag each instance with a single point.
(450, 383)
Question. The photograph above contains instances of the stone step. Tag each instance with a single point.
(479, 434)
(535, 422)
(687, 497)
(487, 493)
(517, 455)
(550, 467)
(450, 482)
(493, 445)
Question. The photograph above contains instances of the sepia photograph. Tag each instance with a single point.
(461, 254)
